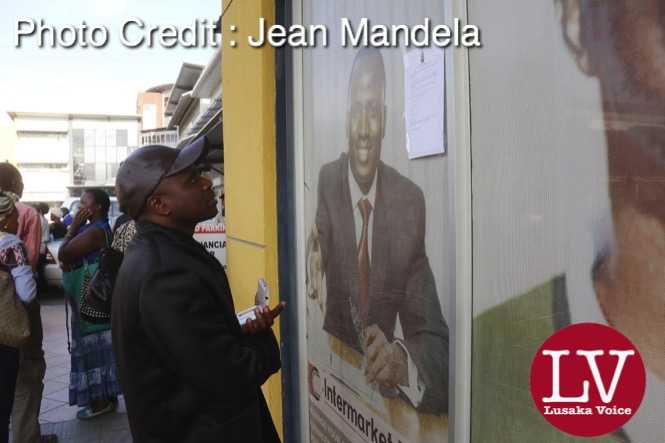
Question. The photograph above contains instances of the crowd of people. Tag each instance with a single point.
(188, 370)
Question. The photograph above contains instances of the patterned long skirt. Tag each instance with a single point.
(94, 375)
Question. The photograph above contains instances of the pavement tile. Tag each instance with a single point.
(61, 413)
(74, 431)
(54, 360)
(51, 386)
(49, 404)
(116, 436)
(61, 378)
(57, 417)
(58, 370)
(59, 352)
(115, 422)
(61, 395)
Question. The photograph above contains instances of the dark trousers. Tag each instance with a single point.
(8, 373)
(41, 275)
(29, 383)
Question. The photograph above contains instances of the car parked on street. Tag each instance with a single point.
(52, 271)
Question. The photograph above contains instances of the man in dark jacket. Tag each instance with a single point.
(189, 371)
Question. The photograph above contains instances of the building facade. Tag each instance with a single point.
(151, 106)
(59, 154)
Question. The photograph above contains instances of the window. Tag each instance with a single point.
(89, 137)
(77, 139)
(121, 137)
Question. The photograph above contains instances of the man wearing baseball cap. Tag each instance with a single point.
(189, 371)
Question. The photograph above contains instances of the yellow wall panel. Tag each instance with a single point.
(248, 84)
(249, 133)
(254, 265)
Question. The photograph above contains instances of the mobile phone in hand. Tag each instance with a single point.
(260, 299)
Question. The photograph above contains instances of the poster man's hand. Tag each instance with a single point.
(265, 317)
(386, 362)
(314, 274)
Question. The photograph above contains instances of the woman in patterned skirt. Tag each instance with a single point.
(93, 380)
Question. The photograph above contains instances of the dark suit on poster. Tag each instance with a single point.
(401, 280)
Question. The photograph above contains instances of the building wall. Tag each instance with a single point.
(249, 165)
(42, 156)
(98, 147)
(160, 136)
(8, 142)
(196, 108)
(55, 152)
(149, 105)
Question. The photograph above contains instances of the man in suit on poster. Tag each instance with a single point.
(370, 226)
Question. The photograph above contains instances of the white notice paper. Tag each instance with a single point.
(424, 100)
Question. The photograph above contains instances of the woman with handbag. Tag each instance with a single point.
(93, 380)
(17, 286)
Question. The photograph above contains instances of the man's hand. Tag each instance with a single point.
(386, 362)
(264, 318)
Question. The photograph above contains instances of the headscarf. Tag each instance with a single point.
(7, 204)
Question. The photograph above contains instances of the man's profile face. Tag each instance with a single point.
(365, 119)
(624, 45)
(189, 196)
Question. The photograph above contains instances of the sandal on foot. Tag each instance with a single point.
(87, 413)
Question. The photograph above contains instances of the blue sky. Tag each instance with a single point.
(66, 80)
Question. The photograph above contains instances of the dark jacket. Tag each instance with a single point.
(401, 280)
(188, 372)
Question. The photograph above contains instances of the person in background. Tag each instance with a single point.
(32, 366)
(14, 261)
(123, 235)
(43, 209)
(57, 228)
(124, 218)
(93, 380)
(66, 217)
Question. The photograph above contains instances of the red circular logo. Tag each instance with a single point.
(587, 379)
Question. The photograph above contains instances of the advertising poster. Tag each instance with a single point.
(379, 255)
(213, 237)
(568, 216)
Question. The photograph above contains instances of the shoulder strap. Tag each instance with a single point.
(109, 241)
(108, 238)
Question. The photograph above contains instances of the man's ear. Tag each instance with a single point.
(570, 12)
(158, 205)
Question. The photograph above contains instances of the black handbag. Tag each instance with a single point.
(96, 302)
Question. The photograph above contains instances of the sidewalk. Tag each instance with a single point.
(56, 416)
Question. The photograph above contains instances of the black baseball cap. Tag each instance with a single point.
(141, 172)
